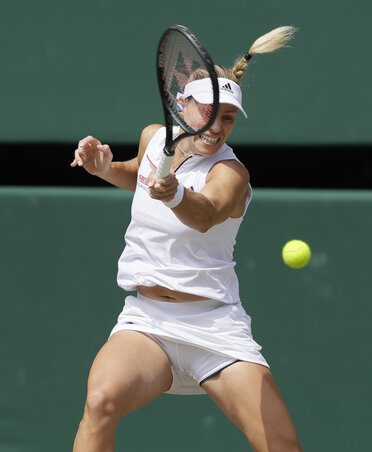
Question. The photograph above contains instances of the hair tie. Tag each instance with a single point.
(248, 56)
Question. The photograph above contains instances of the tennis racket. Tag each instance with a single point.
(181, 58)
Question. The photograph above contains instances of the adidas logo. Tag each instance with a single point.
(227, 87)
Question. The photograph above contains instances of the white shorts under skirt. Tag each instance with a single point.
(200, 338)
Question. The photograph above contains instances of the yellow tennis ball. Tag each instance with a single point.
(296, 253)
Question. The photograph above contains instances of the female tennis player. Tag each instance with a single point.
(185, 331)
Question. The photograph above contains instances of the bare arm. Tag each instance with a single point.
(222, 197)
(96, 158)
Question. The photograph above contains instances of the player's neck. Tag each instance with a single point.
(184, 154)
(180, 155)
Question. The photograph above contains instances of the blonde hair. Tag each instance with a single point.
(268, 42)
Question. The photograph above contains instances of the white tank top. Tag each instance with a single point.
(161, 250)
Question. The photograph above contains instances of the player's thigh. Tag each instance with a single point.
(248, 395)
(130, 370)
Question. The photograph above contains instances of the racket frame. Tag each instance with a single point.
(169, 113)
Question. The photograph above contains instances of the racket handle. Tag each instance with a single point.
(164, 166)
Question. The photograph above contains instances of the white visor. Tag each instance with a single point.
(201, 91)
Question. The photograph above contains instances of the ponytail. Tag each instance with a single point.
(269, 42)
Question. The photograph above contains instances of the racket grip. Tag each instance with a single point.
(164, 166)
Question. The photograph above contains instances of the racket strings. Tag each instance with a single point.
(179, 63)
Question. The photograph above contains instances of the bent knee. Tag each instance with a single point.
(101, 407)
(275, 442)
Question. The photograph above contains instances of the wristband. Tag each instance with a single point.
(177, 197)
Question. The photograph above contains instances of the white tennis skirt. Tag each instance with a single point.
(200, 337)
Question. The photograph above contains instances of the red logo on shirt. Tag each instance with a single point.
(144, 180)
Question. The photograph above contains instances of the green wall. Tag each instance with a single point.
(77, 67)
(59, 300)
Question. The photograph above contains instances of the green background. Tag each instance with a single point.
(77, 67)
(82, 67)
(59, 301)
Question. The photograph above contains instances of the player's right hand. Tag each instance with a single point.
(94, 156)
